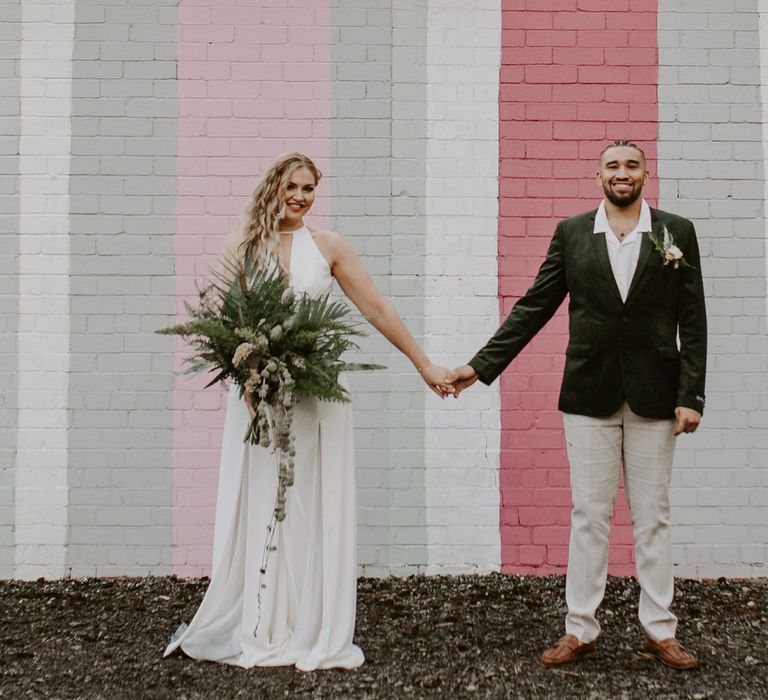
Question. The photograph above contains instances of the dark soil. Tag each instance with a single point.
(464, 636)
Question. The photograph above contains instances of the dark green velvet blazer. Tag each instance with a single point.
(617, 351)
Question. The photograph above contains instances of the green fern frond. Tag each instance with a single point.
(245, 303)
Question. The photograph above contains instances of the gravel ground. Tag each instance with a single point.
(463, 636)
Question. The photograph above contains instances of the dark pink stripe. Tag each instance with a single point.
(575, 74)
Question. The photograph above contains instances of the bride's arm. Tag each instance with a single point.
(357, 284)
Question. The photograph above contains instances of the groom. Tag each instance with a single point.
(633, 381)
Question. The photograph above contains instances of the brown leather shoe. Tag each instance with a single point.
(670, 652)
(566, 650)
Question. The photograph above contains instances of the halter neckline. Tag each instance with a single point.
(296, 230)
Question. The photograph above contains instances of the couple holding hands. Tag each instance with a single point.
(633, 381)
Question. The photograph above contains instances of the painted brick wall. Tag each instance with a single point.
(122, 189)
(10, 40)
(712, 170)
(378, 146)
(462, 307)
(42, 340)
(574, 75)
(108, 463)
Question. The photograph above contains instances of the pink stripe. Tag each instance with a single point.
(253, 82)
(575, 74)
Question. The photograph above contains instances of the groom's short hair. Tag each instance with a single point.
(622, 142)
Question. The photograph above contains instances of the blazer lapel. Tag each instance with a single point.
(600, 249)
(646, 248)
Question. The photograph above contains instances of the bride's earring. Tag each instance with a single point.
(281, 214)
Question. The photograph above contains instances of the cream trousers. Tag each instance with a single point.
(597, 447)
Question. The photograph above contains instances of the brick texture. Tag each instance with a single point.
(446, 173)
(712, 170)
(42, 361)
(10, 128)
(378, 150)
(461, 309)
(123, 188)
(566, 87)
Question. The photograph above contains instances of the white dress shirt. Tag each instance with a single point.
(623, 253)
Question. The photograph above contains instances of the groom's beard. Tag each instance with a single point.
(623, 200)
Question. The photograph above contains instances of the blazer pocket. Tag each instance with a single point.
(669, 353)
(578, 350)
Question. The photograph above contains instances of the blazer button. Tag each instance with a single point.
(624, 318)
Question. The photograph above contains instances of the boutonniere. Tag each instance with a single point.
(670, 253)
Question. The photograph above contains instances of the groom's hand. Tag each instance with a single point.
(687, 420)
(462, 378)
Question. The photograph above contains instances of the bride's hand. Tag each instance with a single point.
(248, 398)
(436, 378)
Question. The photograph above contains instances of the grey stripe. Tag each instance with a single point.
(711, 166)
(378, 163)
(122, 245)
(10, 34)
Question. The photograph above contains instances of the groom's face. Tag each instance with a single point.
(622, 175)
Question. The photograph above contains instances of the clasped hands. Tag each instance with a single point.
(445, 381)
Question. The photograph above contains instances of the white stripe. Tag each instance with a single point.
(461, 304)
(762, 8)
(43, 336)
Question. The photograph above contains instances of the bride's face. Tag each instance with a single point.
(299, 196)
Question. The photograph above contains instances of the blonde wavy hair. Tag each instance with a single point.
(259, 234)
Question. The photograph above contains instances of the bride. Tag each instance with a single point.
(299, 609)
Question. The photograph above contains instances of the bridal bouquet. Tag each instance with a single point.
(276, 345)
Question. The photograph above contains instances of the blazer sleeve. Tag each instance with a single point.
(692, 327)
(528, 316)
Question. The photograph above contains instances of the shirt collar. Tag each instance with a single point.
(643, 223)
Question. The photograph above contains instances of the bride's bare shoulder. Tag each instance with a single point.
(330, 243)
